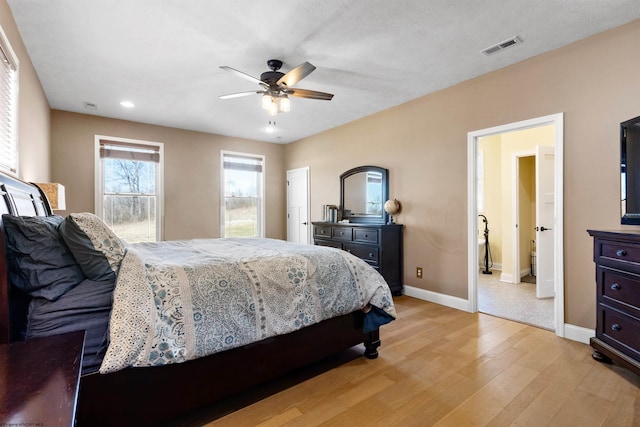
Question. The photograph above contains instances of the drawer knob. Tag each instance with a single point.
(615, 287)
(370, 255)
(621, 252)
(616, 327)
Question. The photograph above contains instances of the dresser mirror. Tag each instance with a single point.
(363, 191)
(630, 171)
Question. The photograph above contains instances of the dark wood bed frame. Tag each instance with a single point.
(148, 396)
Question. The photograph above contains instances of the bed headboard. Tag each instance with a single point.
(17, 197)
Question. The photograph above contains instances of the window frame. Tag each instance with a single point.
(262, 198)
(99, 177)
(8, 57)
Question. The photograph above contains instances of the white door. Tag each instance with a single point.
(545, 221)
(298, 225)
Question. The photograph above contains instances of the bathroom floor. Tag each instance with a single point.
(513, 301)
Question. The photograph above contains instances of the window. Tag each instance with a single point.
(242, 207)
(8, 106)
(374, 192)
(129, 187)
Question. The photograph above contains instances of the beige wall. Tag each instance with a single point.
(491, 147)
(527, 212)
(33, 108)
(423, 144)
(191, 171)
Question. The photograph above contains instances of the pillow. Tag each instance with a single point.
(39, 261)
(93, 244)
(85, 307)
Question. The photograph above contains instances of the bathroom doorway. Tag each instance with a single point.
(510, 205)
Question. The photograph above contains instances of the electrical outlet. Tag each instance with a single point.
(419, 272)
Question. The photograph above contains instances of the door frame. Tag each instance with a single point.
(556, 120)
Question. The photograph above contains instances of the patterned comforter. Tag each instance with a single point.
(180, 300)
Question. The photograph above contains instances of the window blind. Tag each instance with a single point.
(128, 151)
(242, 163)
(8, 107)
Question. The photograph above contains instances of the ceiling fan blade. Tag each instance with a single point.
(243, 75)
(239, 94)
(297, 74)
(311, 94)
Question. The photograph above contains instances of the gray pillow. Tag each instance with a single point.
(85, 307)
(95, 247)
(39, 261)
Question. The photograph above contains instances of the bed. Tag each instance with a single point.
(165, 384)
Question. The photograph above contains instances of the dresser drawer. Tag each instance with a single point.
(322, 230)
(342, 233)
(365, 252)
(620, 330)
(620, 287)
(618, 253)
(366, 235)
(330, 243)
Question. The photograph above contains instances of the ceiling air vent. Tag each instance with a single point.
(502, 45)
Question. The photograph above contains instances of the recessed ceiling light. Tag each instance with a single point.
(127, 104)
(271, 127)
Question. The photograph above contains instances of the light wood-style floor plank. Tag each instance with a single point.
(444, 367)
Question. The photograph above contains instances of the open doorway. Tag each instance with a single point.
(514, 208)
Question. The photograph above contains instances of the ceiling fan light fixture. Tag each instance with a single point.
(273, 107)
(266, 101)
(284, 104)
(277, 86)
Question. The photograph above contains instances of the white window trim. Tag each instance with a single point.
(99, 177)
(263, 202)
(14, 63)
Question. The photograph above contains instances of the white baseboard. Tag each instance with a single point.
(506, 277)
(578, 333)
(571, 332)
(435, 297)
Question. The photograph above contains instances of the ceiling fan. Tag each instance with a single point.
(278, 86)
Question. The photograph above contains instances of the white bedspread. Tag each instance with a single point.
(180, 300)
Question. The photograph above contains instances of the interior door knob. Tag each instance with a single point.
(543, 228)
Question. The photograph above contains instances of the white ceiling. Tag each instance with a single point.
(164, 55)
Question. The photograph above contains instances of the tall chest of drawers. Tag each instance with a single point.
(617, 258)
(379, 245)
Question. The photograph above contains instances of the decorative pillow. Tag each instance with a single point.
(93, 244)
(39, 261)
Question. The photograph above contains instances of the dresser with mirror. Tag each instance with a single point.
(363, 228)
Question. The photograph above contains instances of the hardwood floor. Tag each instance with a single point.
(443, 367)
